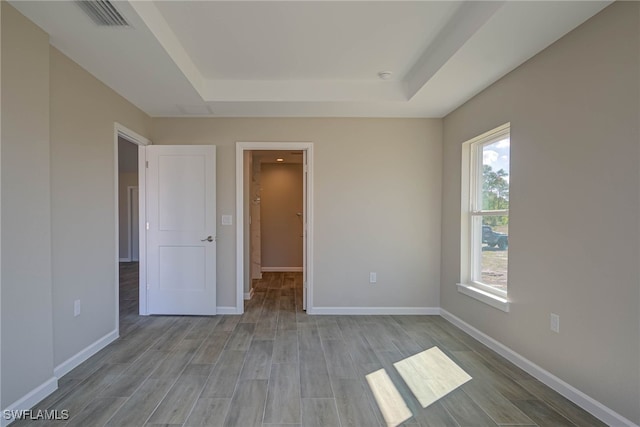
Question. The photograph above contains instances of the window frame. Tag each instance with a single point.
(471, 220)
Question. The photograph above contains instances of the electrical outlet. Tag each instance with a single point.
(373, 277)
(555, 323)
(76, 308)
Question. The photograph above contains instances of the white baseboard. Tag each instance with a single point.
(227, 310)
(374, 310)
(125, 259)
(249, 295)
(75, 360)
(30, 399)
(281, 269)
(586, 402)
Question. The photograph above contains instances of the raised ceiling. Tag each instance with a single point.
(309, 59)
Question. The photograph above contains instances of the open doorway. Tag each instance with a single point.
(276, 225)
(274, 211)
(129, 209)
(128, 241)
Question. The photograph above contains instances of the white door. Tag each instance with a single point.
(181, 229)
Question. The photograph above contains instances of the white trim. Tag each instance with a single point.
(135, 138)
(493, 300)
(355, 311)
(84, 354)
(471, 214)
(586, 402)
(124, 260)
(249, 295)
(142, 230)
(241, 147)
(130, 135)
(30, 399)
(226, 310)
(281, 269)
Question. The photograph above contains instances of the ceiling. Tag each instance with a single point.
(306, 58)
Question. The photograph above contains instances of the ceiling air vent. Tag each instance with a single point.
(103, 13)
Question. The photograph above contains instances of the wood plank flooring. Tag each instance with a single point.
(277, 366)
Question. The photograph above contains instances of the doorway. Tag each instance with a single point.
(248, 208)
(129, 208)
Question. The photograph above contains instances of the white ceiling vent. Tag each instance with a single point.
(103, 13)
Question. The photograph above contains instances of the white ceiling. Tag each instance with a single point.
(306, 58)
(304, 40)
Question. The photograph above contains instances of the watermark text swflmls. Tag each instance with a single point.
(36, 414)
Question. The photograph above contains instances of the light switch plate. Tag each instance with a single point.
(227, 220)
(555, 323)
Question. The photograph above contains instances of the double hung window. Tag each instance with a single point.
(485, 216)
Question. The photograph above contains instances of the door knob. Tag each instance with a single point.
(208, 239)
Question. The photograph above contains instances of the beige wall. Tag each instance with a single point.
(281, 229)
(125, 180)
(574, 242)
(377, 207)
(58, 198)
(27, 334)
(83, 112)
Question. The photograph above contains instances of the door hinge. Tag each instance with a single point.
(148, 286)
(146, 164)
(147, 226)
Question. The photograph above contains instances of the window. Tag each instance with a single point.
(485, 217)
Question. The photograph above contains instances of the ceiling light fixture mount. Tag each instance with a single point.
(385, 75)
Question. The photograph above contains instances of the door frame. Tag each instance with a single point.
(241, 147)
(139, 140)
(130, 190)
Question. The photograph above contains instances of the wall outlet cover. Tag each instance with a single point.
(555, 323)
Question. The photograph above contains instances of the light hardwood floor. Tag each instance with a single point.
(277, 366)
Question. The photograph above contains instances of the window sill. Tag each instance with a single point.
(485, 297)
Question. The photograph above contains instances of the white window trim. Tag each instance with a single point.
(470, 210)
(488, 298)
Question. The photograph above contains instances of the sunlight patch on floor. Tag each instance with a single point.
(431, 375)
(393, 408)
